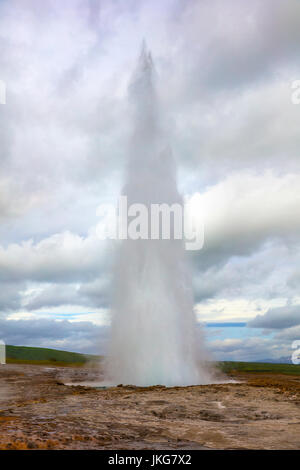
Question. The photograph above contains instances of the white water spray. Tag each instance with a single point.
(153, 334)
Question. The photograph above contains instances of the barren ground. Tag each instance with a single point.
(37, 411)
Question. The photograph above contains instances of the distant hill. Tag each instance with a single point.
(24, 354)
(231, 366)
(280, 360)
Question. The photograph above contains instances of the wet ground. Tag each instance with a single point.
(38, 411)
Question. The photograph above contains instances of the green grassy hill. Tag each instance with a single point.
(24, 354)
(228, 367)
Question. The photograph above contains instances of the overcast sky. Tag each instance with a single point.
(224, 73)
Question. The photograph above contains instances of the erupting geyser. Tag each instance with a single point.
(153, 334)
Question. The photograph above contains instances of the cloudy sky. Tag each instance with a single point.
(224, 76)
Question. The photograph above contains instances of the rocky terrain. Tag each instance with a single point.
(39, 411)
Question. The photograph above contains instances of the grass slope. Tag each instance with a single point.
(259, 367)
(30, 355)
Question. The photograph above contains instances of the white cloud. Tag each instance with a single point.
(61, 257)
(233, 310)
(245, 209)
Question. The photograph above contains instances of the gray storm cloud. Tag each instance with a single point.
(278, 318)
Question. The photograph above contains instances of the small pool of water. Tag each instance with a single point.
(97, 385)
(105, 385)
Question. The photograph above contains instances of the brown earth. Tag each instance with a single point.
(37, 411)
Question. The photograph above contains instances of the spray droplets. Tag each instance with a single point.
(153, 333)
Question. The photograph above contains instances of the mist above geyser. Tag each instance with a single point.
(154, 338)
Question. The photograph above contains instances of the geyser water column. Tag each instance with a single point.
(153, 333)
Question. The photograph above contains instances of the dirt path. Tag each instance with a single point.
(38, 411)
